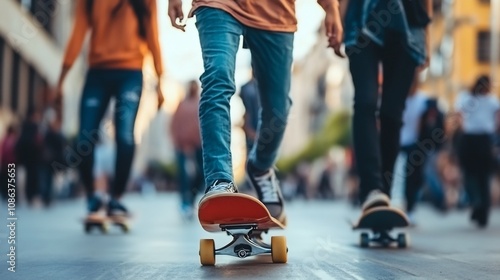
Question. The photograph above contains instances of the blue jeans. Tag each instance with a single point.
(100, 85)
(271, 61)
(189, 183)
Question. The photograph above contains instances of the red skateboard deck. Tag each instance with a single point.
(240, 216)
(234, 208)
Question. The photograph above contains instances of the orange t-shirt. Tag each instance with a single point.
(115, 41)
(271, 15)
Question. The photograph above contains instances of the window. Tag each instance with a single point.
(484, 46)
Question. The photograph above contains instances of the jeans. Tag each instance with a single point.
(476, 160)
(416, 159)
(376, 142)
(271, 61)
(102, 84)
(189, 183)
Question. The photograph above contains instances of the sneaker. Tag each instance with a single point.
(94, 204)
(219, 187)
(268, 192)
(115, 208)
(376, 198)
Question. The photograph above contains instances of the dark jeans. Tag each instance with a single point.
(102, 84)
(414, 176)
(189, 185)
(376, 149)
(476, 160)
(32, 187)
(46, 177)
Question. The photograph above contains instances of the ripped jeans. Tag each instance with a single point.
(100, 86)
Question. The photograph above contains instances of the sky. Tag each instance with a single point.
(182, 53)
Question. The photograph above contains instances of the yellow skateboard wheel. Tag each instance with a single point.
(279, 250)
(207, 252)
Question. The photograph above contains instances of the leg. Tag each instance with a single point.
(364, 71)
(272, 55)
(197, 182)
(219, 38)
(183, 180)
(32, 179)
(128, 95)
(95, 100)
(413, 176)
(399, 72)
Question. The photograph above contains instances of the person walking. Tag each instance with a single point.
(185, 131)
(478, 109)
(121, 32)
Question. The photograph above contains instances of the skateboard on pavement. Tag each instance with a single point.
(243, 217)
(381, 221)
(102, 222)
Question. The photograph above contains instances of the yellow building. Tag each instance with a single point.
(461, 36)
(472, 41)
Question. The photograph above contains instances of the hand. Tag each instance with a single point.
(57, 98)
(424, 65)
(176, 15)
(160, 97)
(334, 30)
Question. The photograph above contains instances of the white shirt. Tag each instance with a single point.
(478, 112)
(415, 107)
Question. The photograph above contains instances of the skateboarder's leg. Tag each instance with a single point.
(272, 55)
(219, 38)
(128, 94)
(364, 69)
(399, 74)
(93, 105)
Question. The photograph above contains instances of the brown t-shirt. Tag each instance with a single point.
(115, 42)
(271, 15)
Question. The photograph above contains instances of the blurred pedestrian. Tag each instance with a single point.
(409, 139)
(268, 30)
(392, 33)
(185, 131)
(53, 146)
(121, 31)
(7, 157)
(249, 95)
(29, 152)
(478, 109)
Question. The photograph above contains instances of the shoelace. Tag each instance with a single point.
(268, 184)
(221, 186)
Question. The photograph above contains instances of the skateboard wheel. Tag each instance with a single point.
(278, 249)
(207, 252)
(364, 240)
(403, 240)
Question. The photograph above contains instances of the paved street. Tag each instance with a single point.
(51, 244)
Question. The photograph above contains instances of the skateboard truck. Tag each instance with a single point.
(243, 245)
(383, 238)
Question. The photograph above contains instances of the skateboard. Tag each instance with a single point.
(102, 222)
(381, 221)
(244, 218)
